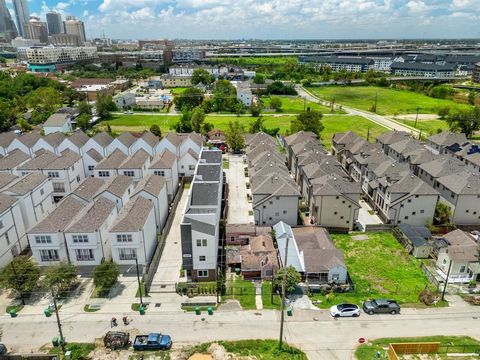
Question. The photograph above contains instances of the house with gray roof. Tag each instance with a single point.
(13, 160)
(89, 188)
(25, 143)
(109, 166)
(6, 179)
(441, 166)
(154, 188)
(100, 143)
(58, 122)
(50, 142)
(74, 142)
(187, 163)
(87, 237)
(124, 143)
(301, 137)
(12, 231)
(165, 165)
(6, 139)
(118, 190)
(91, 159)
(199, 226)
(439, 142)
(390, 137)
(398, 149)
(133, 236)
(148, 142)
(135, 165)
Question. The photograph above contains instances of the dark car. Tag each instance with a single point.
(3, 349)
(381, 306)
(152, 341)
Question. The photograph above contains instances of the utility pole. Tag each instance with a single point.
(333, 103)
(446, 280)
(416, 117)
(368, 133)
(376, 100)
(304, 103)
(284, 280)
(138, 280)
(62, 339)
(271, 289)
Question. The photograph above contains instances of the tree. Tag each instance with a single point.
(256, 126)
(202, 76)
(224, 96)
(259, 79)
(155, 130)
(276, 104)
(23, 124)
(105, 275)
(184, 125)
(279, 88)
(83, 122)
(234, 135)
(70, 95)
(197, 118)
(471, 97)
(443, 111)
(21, 275)
(189, 99)
(84, 108)
(59, 277)
(255, 110)
(292, 278)
(443, 213)
(239, 108)
(464, 120)
(307, 121)
(45, 99)
(206, 128)
(105, 105)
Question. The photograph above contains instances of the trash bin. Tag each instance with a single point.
(197, 310)
(141, 310)
(210, 310)
(13, 313)
(55, 342)
(68, 355)
(47, 312)
(289, 311)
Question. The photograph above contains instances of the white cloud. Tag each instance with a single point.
(417, 6)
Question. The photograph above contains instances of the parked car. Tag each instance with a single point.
(345, 310)
(381, 306)
(3, 349)
(152, 341)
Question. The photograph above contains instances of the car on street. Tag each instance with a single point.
(152, 341)
(345, 310)
(381, 306)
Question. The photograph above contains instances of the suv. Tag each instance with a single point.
(381, 306)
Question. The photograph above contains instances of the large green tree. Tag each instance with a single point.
(84, 108)
(197, 118)
(234, 136)
(293, 278)
(83, 122)
(307, 121)
(202, 76)
(189, 99)
(155, 130)
(464, 120)
(105, 105)
(21, 275)
(225, 97)
(59, 277)
(276, 103)
(105, 275)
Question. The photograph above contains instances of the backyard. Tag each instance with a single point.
(389, 101)
(379, 267)
(241, 290)
(267, 297)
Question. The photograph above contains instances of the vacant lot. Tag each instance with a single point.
(241, 290)
(427, 126)
(379, 267)
(294, 105)
(389, 101)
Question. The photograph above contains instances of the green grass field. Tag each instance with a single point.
(379, 267)
(427, 126)
(241, 290)
(389, 101)
(178, 90)
(267, 297)
(256, 60)
(294, 105)
(450, 344)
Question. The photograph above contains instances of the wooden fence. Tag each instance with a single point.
(412, 348)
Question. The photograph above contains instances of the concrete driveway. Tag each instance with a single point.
(239, 207)
(364, 216)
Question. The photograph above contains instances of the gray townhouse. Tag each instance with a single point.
(390, 137)
(13, 160)
(300, 137)
(439, 142)
(109, 166)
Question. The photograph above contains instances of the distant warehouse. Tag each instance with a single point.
(424, 70)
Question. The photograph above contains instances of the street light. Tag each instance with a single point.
(416, 117)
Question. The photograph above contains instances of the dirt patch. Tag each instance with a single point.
(421, 117)
(201, 357)
(360, 237)
(230, 305)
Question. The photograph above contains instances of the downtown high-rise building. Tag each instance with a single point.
(75, 27)
(36, 29)
(21, 14)
(55, 24)
(8, 30)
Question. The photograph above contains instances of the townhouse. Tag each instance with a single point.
(124, 143)
(89, 188)
(154, 188)
(74, 142)
(50, 142)
(135, 165)
(165, 165)
(109, 166)
(118, 190)
(6, 139)
(438, 143)
(148, 142)
(91, 159)
(100, 143)
(13, 160)
(12, 230)
(58, 123)
(25, 143)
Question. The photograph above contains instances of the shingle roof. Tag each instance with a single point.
(406, 145)
(13, 159)
(78, 138)
(40, 161)
(119, 185)
(6, 202)
(149, 138)
(29, 139)
(112, 161)
(27, 183)
(459, 237)
(345, 138)
(6, 178)
(164, 161)
(54, 139)
(89, 188)
(6, 138)
(275, 185)
(152, 184)
(173, 138)
(333, 185)
(462, 183)
(443, 166)
(63, 215)
(64, 161)
(448, 138)
(135, 161)
(57, 119)
(300, 136)
(103, 139)
(390, 137)
(95, 155)
(94, 218)
(192, 153)
(127, 139)
(133, 216)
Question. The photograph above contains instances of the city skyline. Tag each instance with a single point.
(275, 19)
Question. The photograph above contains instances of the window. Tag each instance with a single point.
(1, 224)
(202, 273)
(467, 211)
(91, 167)
(59, 187)
(7, 238)
(159, 172)
(422, 211)
(204, 242)
(78, 178)
(462, 268)
(49, 255)
(409, 200)
(42, 191)
(277, 214)
(336, 197)
(444, 261)
(43, 239)
(124, 238)
(284, 212)
(414, 213)
(182, 166)
(84, 254)
(104, 173)
(53, 174)
(129, 173)
(127, 254)
(277, 197)
(80, 238)
(406, 217)
(341, 217)
(335, 213)
(201, 258)
(191, 167)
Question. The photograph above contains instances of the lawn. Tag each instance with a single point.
(450, 344)
(256, 60)
(140, 122)
(241, 290)
(178, 90)
(79, 350)
(294, 105)
(389, 101)
(267, 297)
(379, 267)
(258, 349)
(427, 126)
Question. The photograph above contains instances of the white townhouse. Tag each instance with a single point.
(13, 160)
(134, 235)
(99, 143)
(135, 165)
(154, 188)
(25, 142)
(74, 142)
(88, 238)
(170, 142)
(108, 167)
(12, 229)
(124, 143)
(34, 193)
(58, 122)
(148, 142)
(47, 238)
(6, 139)
(7, 179)
(165, 165)
(187, 163)
(192, 141)
(50, 142)
(118, 190)
(91, 159)
(89, 188)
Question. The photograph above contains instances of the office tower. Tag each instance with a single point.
(7, 27)
(55, 24)
(75, 27)
(36, 29)
(22, 14)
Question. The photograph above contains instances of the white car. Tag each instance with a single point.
(345, 310)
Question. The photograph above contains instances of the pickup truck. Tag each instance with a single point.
(381, 306)
(152, 341)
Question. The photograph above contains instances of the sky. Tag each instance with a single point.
(270, 19)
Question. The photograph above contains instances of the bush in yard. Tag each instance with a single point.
(105, 275)
(292, 279)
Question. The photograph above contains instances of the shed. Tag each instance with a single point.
(415, 239)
